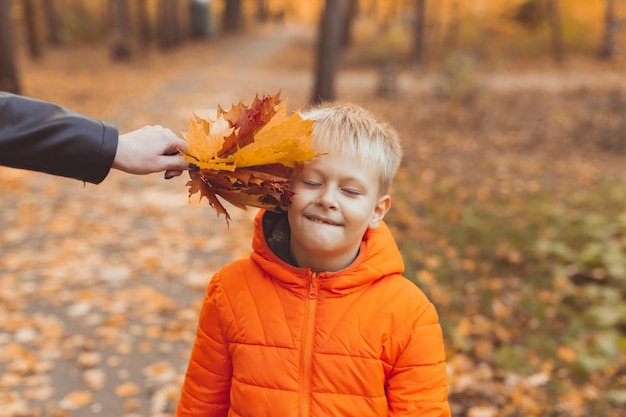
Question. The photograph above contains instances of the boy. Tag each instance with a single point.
(319, 320)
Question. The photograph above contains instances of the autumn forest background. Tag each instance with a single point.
(509, 207)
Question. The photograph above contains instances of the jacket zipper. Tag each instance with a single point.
(307, 347)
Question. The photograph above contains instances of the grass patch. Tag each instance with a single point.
(528, 283)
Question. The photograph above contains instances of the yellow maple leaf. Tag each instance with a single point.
(204, 144)
(287, 143)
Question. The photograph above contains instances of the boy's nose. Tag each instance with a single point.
(327, 199)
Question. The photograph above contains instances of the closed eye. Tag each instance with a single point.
(352, 191)
(309, 183)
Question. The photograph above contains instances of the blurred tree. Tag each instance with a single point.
(452, 31)
(556, 33)
(418, 31)
(168, 36)
(231, 21)
(121, 48)
(610, 47)
(143, 24)
(32, 35)
(328, 51)
(530, 14)
(9, 80)
(350, 12)
(261, 11)
(200, 19)
(52, 22)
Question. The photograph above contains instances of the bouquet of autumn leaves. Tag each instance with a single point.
(248, 163)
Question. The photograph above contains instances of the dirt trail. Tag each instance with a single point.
(232, 69)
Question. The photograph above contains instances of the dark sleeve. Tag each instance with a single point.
(41, 136)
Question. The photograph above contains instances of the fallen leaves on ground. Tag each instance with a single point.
(506, 210)
(98, 296)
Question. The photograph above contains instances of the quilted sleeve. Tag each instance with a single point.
(417, 385)
(206, 388)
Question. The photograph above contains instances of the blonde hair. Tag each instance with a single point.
(350, 130)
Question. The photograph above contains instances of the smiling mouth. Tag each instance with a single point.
(322, 221)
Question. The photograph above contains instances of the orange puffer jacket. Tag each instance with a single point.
(277, 340)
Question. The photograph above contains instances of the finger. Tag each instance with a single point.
(180, 144)
(174, 143)
(174, 162)
(171, 173)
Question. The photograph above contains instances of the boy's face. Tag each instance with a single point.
(336, 200)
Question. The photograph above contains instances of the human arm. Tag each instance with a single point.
(417, 382)
(206, 388)
(41, 136)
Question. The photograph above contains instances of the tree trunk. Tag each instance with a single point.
(556, 34)
(32, 36)
(328, 52)
(261, 11)
(177, 36)
(452, 32)
(143, 24)
(168, 24)
(121, 46)
(9, 80)
(612, 26)
(232, 16)
(163, 25)
(198, 15)
(52, 22)
(418, 31)
(351, 9)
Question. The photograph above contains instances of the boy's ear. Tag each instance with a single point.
(382, 207)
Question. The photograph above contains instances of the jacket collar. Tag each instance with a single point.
(378, 256)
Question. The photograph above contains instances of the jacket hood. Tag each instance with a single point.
(378, 257)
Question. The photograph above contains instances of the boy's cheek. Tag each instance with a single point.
(296, 187)
(295, 199)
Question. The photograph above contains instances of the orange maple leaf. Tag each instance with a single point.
(247, 121)
(249, 163)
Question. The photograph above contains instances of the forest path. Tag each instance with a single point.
(232, 69)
